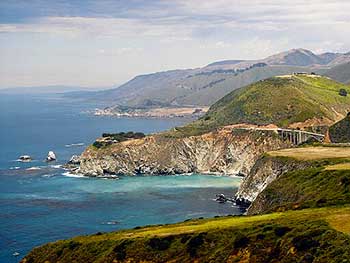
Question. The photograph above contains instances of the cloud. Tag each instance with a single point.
(184, 18)
(120, 38)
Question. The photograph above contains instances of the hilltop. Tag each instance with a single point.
(296, 101)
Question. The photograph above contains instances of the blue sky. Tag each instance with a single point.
(105, 43)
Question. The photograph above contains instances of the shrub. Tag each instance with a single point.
(281, 231)
(343, 92)
(241, 241)
(194, 244)
(160, 243)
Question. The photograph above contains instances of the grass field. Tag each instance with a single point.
(313, 153)
(340, 166)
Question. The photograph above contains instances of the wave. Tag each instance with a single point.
(34, 168)
(48, 175)
(15, 168)
(75, 144)
(57, 166)
(69, 174)
(111, 223)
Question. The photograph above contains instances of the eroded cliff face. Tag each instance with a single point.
(224, 151)
(265, 170)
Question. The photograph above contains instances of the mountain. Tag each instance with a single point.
(340, 73)
(296, 101)
(204, 86)
(296, 57)
(186, 87)
(340, 131)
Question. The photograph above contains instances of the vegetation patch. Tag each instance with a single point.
(110, 138)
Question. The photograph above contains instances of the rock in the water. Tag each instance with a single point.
(25, 158)
(51, 156)
(75, 159)
(73, 163)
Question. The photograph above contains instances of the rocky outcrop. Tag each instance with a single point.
(224, 151)
(265, 170)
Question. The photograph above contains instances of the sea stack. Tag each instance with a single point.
(25, 158)
(51, 156)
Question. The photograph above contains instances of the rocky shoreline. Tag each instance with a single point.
(227, 151)
(224, 151)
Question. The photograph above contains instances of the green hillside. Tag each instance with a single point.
(311, 235)
(340, 132)
(282, 100)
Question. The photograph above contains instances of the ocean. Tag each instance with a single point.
(40, 202)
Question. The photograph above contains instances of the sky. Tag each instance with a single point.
(103, 43)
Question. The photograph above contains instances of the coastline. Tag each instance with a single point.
(159, 113)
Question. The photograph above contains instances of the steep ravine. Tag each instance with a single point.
(224, 151)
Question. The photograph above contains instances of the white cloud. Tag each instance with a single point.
(114, 46)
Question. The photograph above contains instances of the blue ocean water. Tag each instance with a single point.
(39, 204)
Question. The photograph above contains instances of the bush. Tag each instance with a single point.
(160, 243)
(123, 136)
(194, 244)
(241, 241)
(343, 92)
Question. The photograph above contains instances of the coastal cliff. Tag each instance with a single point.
(225, 151)
(266, 170)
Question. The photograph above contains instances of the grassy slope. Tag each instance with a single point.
(340, 132)
(278, 100)
(280, 237)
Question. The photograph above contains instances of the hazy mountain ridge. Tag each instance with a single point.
(340, 73)
(203, 86)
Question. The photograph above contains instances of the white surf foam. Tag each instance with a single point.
(48, 175)
(33, 168)
(75, 144)
(57, 166)
(69, 174)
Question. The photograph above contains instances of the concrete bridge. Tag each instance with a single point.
(296, 137)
